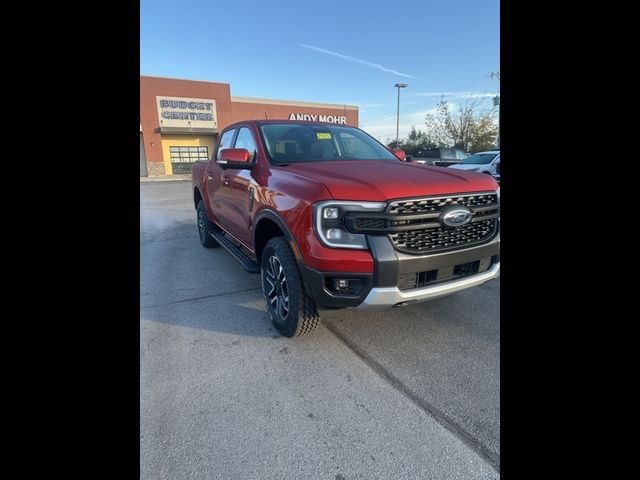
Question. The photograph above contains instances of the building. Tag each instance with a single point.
(180, 119)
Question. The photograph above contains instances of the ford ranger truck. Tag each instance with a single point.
(330, 218)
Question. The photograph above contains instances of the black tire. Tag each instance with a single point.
(205, 227)
(290, 309)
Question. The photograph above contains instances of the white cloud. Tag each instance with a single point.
(361, 62)
(384, 126)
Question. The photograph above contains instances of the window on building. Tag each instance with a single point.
(182, 158)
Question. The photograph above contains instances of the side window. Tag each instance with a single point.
(245, 140)
(432, 153)
(446, 153)
(225, 141)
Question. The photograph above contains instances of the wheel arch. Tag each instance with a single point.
(269, 224)
(197, 196)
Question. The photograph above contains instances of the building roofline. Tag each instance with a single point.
(268, 101)
(184, 79)
(294, 103)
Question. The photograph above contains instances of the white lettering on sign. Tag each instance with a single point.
(339, 119)
(187, 112)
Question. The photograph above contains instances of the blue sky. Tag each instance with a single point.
(331, 51)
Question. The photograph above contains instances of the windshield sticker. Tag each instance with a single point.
(323, 136)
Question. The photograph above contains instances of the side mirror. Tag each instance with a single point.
(409, 158)
(235, 158)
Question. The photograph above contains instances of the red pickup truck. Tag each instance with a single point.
(330, 218)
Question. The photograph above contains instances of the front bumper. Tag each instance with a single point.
(393, 296)
(387, 285)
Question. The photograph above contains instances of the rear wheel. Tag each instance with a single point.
(205, 227)
(290, 309)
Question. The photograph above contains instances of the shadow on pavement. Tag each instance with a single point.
(238, 313)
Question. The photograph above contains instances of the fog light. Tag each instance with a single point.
(331, 212)
(333, 234)
(341, 284)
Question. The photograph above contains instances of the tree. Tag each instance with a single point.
(469, 129)
(415, 141)
(392, 143)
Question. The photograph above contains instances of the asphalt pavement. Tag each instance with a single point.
(393, 394)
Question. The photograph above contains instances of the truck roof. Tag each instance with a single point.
(293, 122)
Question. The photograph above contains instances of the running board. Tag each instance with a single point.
(244, 259)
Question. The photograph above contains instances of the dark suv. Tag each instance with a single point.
(440, 157)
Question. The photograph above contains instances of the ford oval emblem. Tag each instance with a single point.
(456, 216)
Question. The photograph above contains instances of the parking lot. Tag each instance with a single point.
(400, 393)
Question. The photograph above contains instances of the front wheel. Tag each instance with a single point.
(290, 309)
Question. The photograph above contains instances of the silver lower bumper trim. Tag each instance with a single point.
(390, 296)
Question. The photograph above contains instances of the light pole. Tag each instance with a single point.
(398, 86)
(496, 103)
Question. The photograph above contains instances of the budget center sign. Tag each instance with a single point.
(187, 112)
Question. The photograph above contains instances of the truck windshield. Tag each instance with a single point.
(294, 143)
(480, 158)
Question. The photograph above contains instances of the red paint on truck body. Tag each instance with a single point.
(290, 192)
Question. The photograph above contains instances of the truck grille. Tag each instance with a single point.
(428, 205)
(430, 239)
(414, 227)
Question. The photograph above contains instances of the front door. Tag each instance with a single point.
(236, 200)
(213, 176)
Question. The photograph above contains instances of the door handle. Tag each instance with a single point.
(209, 177)
(225, 181)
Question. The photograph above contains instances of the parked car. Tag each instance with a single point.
(440, 157)
(331, 218)
(481, 162)
(497, 174)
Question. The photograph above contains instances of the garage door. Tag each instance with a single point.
(183, 157)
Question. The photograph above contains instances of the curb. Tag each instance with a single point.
(147, 180)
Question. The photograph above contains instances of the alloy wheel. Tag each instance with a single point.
(278, 294)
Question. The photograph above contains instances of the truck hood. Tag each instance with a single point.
(379, 180)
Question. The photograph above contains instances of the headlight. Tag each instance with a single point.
(329, 222)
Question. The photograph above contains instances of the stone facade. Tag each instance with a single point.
(155, 168)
